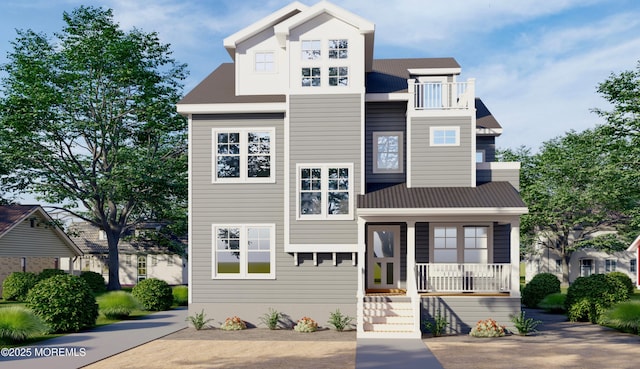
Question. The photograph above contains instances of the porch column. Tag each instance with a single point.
(515, 257)
(360, 293)
(412, 287)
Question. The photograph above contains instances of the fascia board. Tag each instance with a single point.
(231, 108)
(440, 211)
(434, 71)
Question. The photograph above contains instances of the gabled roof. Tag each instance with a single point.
(635, 244)
(231, 42)
(491, 197)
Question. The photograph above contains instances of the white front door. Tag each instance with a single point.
(383, 257)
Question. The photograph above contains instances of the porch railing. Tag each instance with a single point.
(443, 95)
(463, 277)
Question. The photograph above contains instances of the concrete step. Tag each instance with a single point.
(405, 328)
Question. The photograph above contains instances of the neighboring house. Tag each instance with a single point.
(323, 179)
(138, 259)
(582, 263)
(635, 248)
(31, 241)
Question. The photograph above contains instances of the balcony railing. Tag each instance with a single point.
(463, 277)
(443, 95)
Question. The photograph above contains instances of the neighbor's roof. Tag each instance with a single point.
(12, 215)
(490, 195)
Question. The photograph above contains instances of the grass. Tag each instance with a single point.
(624, 316)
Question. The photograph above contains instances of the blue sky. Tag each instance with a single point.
(537, 63)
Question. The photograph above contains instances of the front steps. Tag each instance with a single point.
(389, 317)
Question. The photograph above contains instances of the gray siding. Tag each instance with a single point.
(381, 117)
(252, 203)
(501, 243)
(324, 129)
(463, 312)
(422, 242)
(444, 166)
(40, 240)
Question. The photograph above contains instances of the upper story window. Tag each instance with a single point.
(325, 191)
(264, 62)
(244, 155)
(387, 152)
(338, 76)
(480, 156)
(445, 136)
(244, 251)
(310, 77)
(311, 49)
(338, 49)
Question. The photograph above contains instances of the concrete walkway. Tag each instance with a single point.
(394, 353)
(76, 350)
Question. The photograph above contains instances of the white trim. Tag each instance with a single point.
(324, 189)
(243, 155)
(190, 209)
(433, 130)
(488, 131)
(275, 107)
(323, 248)
(434, 71)
(409, 124)
(244, 274)
(374, 144)
(439, 211)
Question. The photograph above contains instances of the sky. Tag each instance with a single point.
(537, 63)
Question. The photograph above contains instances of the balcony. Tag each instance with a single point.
(442, 95)
(457, 278)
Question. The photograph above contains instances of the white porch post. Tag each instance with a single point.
(515, 257)
(412, 286)
(360, 293)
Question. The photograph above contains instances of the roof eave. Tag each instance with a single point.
(363, 212)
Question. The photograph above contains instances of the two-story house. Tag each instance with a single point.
(323, 179)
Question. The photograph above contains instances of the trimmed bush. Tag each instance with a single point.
(17, 285)
(154, 294)
(589, 297)
(117, 304)
(180, 295)
(626, 281)
(18, 323)
(554, 303)
(541, 285)
(95, 281)
(624, 316)
(64, 302)
(48, 273)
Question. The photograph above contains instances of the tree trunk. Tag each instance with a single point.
(113, 238)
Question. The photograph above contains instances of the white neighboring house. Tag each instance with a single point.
(138, 260)
(634, 249)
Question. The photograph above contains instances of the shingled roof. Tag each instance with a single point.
(11, 215)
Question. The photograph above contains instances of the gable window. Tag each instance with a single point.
(388, 152)
(244, 251)
(325, 191)
(610, 265)
(338, 76)
(338, 49)
(445, 136)
(310, 77)
(475, 244)
(264, 62)
(310, 49)
(244, 155)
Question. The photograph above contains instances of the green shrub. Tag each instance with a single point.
(624, 316)
(95, 281)
(339, 321)
(154, 294)
(180, 295)
(117, 304)
(18, 323)
(589, 297)
(554, 303)
(64, 302)
(271, 318)
(541, 285)
(199, 320)
(48, 273)
(626, 281)
(17, 285)
(438, 325)
(525, 325)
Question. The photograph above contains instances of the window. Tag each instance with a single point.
(388, 152)
(633, 265)
(610, 265)
(310, 77)
(265, 62)
(445, 245)
(325, 191)
(445, 136)
(586, 267)
(338, 76)
(245, 155)
(475, 244)
(338, 49)
(244, 251)
(558, 266)
(128, 261)
(480, 156)
(311, 50)
(142, 266)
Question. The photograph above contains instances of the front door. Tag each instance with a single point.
(383, 257)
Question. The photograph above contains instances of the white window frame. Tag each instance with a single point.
(338, 76)
(476, 242)
(338, 49)
(450, 239)
(311, 77)
(434, 130)
(260, 58)
(244, 250)
(244, 155)
(376, 136)
(460, 241)
(307, 48)
(610, 265)
(324, 190)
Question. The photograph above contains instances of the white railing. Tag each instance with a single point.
(443, 95)
(463, 277)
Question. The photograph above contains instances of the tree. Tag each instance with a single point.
(88, 121)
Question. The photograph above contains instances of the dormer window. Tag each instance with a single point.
(338, 49)
(264, 62)
(311, 50)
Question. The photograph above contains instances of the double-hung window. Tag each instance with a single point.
(325, 191)
(387, 152)
(244, 251)
(445, 136)
(610, 265)
(476, 244)
(445, 244)
(244, 155)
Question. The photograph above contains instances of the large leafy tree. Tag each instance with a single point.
(88, 121)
